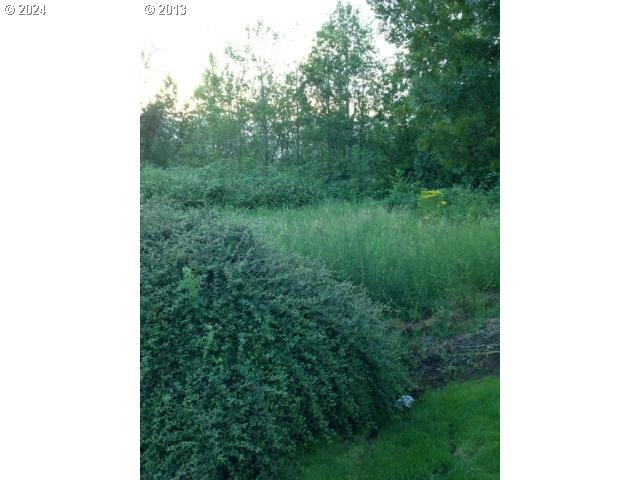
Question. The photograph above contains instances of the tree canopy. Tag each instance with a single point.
(433, 115)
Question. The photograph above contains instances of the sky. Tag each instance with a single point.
(180, 45)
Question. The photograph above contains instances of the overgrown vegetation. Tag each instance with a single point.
(451, 66)
(432, 115)
(310, 238)
(404, 260)
(227, 185)
(246, 353)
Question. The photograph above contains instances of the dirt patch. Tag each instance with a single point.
(463, 357)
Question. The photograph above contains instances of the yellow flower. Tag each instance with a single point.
(427, 194)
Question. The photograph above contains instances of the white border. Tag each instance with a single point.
(69, 199)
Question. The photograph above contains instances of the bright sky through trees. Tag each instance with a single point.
(180, 46)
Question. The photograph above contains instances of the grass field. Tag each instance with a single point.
(453, 433)
(401, 259)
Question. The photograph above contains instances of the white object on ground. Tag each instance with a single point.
(405, 401)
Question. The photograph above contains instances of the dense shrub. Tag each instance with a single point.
(460, 203)
(223, 186)
(246, 353)
(470, 204)
(403, 193)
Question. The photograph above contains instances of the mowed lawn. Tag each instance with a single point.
(450, 433)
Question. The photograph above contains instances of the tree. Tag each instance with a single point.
(452, 50)
(159, 124)
(260, 90)
(342, 82)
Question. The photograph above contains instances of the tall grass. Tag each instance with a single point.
(403, 260)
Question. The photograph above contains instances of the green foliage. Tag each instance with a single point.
(449, 434)
(342, 110)
(470, 204)
(159, 125)
(250, 350)
(432, 204)
(214, 125)
(403, 193)
(342, 79)
(461, 203)
(224, 185)
(417, 265)
(261, 92)
(452, 61)
(247, 353)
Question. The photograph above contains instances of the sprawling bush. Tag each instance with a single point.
(221, 185)
(246, 353)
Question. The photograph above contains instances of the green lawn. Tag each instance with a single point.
(453, 433)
